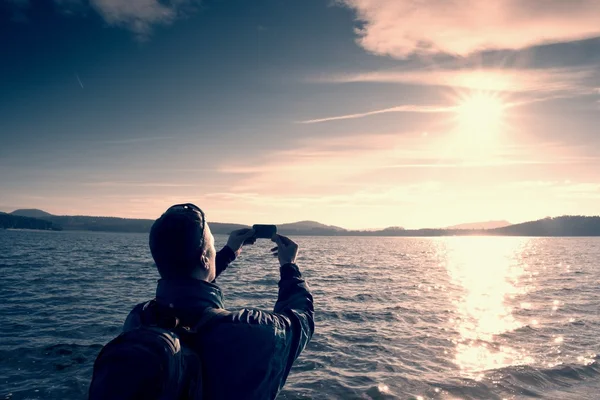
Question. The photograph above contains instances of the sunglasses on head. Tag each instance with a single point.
(193, 208)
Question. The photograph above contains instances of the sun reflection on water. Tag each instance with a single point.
(487, 272)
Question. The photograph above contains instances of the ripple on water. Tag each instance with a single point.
(469, 318)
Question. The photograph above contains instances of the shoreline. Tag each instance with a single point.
(347, 234)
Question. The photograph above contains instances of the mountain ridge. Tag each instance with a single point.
(481, 225)
(119, 224)
(557, 226)
(9, 221)
(31, 213)
(288, 226)
(308, 224)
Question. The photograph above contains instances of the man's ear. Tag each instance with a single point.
(204, 260)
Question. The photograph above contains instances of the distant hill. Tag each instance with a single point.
(481, 225)
(393, 229)
(101, 224)
(31, 212)
(308, 228)
(559, 226)
(9, 221)
(108, 224)
(115, 224)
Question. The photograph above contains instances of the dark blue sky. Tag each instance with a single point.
(283, 110)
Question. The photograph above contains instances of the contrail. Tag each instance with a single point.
(408, 108)
(79, 80)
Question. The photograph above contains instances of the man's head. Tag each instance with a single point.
(182, 245)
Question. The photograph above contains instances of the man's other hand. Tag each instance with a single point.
(238, 238)
(286, 249)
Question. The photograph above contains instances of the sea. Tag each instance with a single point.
(396, 318)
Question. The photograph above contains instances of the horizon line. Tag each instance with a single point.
(451, 227)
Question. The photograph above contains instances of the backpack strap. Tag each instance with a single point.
(153, 314)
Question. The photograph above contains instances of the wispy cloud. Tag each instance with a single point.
(138, 184)
(407, 193)
(547, 97)
(345, 164)
(446, 109)
(477, 78)
(518, 86)
(140, 15)
(560, 189)
(399, 109)
(401, 27)
(428, 203)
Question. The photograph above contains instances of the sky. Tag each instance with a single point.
(355, 113)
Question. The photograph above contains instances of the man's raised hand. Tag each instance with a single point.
(286, 250)
(238, 238)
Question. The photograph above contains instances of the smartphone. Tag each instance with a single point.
(264, 231)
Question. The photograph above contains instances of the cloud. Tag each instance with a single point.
(401, 27)
(317, 166)
(140, 15)
(138, 184)
(322, 165)
(585, 188)
(402, 109)
(372, 197)
(440, 109)
(560, 189)
(516, 86)
(488, 79)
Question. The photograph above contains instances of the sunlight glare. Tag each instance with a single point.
(479, 120)
(488, 272)
(480, 114)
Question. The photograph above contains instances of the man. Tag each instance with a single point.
(245, 354)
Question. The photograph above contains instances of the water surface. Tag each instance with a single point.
(440, 318)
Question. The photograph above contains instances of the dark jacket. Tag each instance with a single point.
(246, 354)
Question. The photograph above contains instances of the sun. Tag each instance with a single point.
(479, 123)
(480, 114)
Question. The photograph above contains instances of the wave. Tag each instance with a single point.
(560, 374)
(60, 356)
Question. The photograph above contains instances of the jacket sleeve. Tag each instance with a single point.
(296, 303)
(224, 257)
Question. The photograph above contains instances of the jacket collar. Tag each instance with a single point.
(188, 293)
